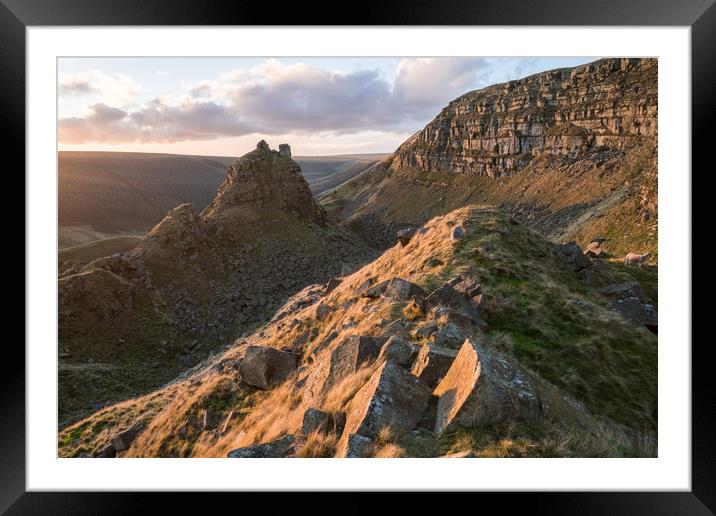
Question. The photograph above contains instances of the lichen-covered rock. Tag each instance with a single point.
(336, 364)
(391, 399)
(279, 448)
(399, 351)
(399, 289)
(449, 336)
(483, 388)
(358, 447)
(456, 306)
(432, 364)
(265, 367)
(640, 313)
(572, 255)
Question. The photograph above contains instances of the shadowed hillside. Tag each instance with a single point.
(103, 194)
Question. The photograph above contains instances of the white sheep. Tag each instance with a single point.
(633, 258)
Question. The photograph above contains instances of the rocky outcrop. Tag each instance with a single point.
(482, 388)
(392, 399)
(260, 182)
(498, 130)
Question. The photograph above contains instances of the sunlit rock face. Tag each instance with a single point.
(611, 103)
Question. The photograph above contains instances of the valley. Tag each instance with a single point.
(465, 296)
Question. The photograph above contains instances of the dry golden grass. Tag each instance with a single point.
(317, 445)
(522, 294)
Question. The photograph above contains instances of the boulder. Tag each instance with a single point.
(458, 233)
(624, 290)
(358, 447)
(459, 308)
(106, 452)
(345, 359)
(264, 367)
(324, 422)
(594, 250)
(405, 235)
(282, 447)
(636, 311)
(572, 255)
(484, 388)
(392, 398)
(449, 336)
(399, 289)
(426, 330)
(432, 364)
(399, 351)
(123, 440)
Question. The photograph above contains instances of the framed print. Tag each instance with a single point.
(271, 257)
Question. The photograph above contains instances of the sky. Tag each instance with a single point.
(224, 106)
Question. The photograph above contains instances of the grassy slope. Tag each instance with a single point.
(564, 199)
(538, 311)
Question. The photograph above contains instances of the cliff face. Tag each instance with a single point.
(496, 131)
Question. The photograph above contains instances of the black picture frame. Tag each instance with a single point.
(700, 15)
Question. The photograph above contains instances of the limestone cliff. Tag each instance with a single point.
(572, 152)
(498, 130)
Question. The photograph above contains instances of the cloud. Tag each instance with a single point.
(275, 98)
(111, 89)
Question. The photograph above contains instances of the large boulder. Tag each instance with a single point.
(624, 290)
(124, 439)
(399, 351)
(572, 255)
(455, 306)
(399, 289)
(483, 388)
(432, 364)
(449, 336)
(391, 399)
(265, 367)
(595, 250)
(279, 448)
(636, 311)
(342, 361)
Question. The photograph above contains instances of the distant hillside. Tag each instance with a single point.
(124, 192)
